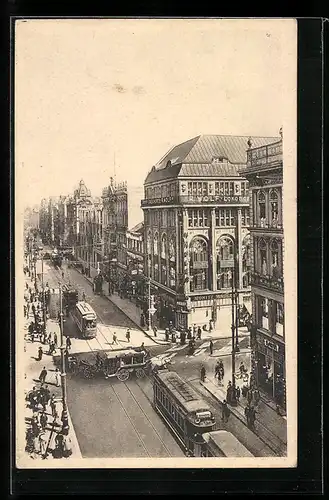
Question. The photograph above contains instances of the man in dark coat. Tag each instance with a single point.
(40, 353)
(43, 375)
(203, 373)
(211, 347)
(225, 411)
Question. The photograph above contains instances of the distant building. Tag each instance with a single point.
(265, 175)
(120, 206)
(135, 260)
(196, 218)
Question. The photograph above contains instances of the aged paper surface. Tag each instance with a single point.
(102, 98)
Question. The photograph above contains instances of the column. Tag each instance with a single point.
(239, 248)
(212, 249)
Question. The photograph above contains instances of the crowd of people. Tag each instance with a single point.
(45, 433)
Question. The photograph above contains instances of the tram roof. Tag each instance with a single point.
(85, 308)
(227, 443)
(185, 394)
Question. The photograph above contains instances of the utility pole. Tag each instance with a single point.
(43, 296)
(65, 421)
(233, 400)
(236, 296)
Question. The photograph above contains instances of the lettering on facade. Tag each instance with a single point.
(271, 345)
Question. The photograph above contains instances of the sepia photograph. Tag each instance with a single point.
(155, 242)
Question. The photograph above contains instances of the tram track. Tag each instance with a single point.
(150, 424)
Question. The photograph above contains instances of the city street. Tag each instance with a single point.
(126, 407)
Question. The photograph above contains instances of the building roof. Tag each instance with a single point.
(139, 228)
(195, 157)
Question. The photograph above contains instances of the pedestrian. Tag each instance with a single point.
(55, 339)
(238, 393)
(83, 297)
(225, 411)
(142, 347)
(167, 335)
(43, 375)
(221, 367)
(57, 377)
(43, 443)
(40, 353)
(142, 320)
(114, 338)
(25, 311)
(66, 444)
(53, 407)
(202, 373)
(58, 452)
(155, 330)
(211, 347)
(256, 396)
(249, 396)
(194, 330)
(199, 332)
(68, 343)
(52, 349)
(128, 335)
(189, 333)
(63, 274)
(217, 369)
(49, 338)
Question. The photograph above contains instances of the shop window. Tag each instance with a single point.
(163, 246)
(225, 256)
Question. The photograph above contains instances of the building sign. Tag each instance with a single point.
(271, 345)
(200, 264)
(194, 199)
(197, 298)
(181, 304)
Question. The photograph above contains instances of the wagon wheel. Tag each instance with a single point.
(123, 375)
(140, 373)
(89, 372)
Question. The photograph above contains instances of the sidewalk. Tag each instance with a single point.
(133, 312)
(32, 372)
(270, 427)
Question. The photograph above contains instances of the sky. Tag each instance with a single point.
(94, 98)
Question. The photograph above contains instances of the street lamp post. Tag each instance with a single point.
(65, 422)
(43, 296)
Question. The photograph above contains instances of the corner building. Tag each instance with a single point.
(265, 175)
(196, 219)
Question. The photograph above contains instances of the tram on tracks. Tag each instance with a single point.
(186, 414)
(86, 320)
(221, 444)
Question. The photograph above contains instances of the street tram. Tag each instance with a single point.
(221, 444)
(85, 318)
(186, 414)
(70, 297)
(119, 363)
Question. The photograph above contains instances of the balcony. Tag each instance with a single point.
(194, 199)
(267, 281)
(268, 155)
(265, 224)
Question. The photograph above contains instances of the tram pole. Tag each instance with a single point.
(43, 296)
(231, 395)
(65, 420)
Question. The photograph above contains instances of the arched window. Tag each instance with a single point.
(149, 244)
(164, 246)
(156, 244)
(199, 264)
(171, 249)
(275, 259)
(261, 200)
(262, 246)
(225, 262)
(274, 207)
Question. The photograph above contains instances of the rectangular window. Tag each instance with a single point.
(221, 217)
(231, 189)
(204, 189)
(243, 217)
(227, 217)
(189, 188)
(195, 217)
(279, 323)
(232, 217)
(190, 219)
(226, 188)
(217, 210)
(216, 188)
